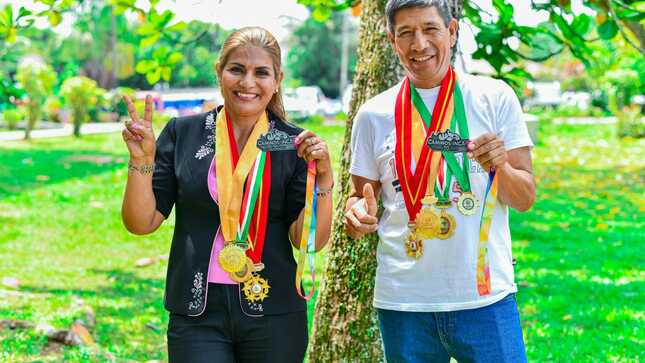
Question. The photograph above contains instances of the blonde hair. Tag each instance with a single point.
(259, 37)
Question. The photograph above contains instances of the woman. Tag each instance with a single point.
(231, 272)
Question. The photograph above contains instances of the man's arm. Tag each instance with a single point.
(514, 170)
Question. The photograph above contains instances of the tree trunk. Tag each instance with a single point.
(344, 327)
(78, 121)
(32, 117)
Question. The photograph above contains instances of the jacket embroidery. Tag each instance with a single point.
(208, 147)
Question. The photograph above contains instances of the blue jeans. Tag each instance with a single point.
(488, 334)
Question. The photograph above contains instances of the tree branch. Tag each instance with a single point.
(641, 48)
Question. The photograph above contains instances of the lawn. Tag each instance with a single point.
(579, 250)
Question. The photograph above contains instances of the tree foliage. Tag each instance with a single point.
(307, 63)
(38, 80)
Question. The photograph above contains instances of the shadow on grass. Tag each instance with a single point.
(22, 171)
(130, 318)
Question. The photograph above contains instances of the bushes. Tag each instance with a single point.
(38, 80)
(81, 94)
(630, 122)
(12, 116)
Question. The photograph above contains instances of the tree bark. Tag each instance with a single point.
(344, 327)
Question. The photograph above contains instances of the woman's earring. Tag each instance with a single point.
(276, 91)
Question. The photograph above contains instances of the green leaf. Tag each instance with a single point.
(174, 58)
(47, 2)
(147, 28)
(582, 24)
(562, 25)
(321, 13)
(55, 17)
(489, 34)
(6, 16)
(146, 42)
(11, 36)
(519, 72)
(165, 73)
(160, 54)
(639, 5)
(144, 66)
(153, 76)
(631, 15)
(608, 29)
(23, 12)
(177, 27)
(164, 19)
(505, 10)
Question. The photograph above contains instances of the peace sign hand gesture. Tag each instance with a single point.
(138, 134)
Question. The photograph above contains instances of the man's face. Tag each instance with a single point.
(423, 41)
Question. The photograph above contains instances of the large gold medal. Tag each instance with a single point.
(447, 225)
(232, 258)
(427, 223)
(256, 289)
(467, 204)
(245, 273)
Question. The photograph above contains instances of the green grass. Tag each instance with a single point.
(579, 250)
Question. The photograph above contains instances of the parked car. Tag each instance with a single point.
(303, 102)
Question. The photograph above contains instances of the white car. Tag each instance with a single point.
(303, 102)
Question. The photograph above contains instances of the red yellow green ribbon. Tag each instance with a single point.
(232, 174)
(410, 111)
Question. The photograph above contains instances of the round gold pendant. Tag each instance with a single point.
(232, 258)
(447, 225)
(245, 273)
(256, 289)
(467, 204)
(414, 247)
(427, 223)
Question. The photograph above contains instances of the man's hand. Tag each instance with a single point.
(489, 151)
(360, 218)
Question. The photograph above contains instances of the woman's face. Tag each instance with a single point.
(248, 81)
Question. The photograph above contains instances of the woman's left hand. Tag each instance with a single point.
(312, 147)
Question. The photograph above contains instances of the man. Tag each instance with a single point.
(444, 283)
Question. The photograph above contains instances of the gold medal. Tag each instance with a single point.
(427, 223)
(245, 273)
(467, 204)
(414, 246)
(447, 225)
(256, 289)
(232, 258)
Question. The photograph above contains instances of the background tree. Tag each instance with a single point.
(80, 94)
(344, 322)
(311, 66)
(37, 79)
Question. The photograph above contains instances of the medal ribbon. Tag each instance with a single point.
(436, 158)
(414, 185)
(232, 173)
(308, 233)
(483, 263)
(460, 173)
(252, 224)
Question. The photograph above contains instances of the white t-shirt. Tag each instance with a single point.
(443, 278)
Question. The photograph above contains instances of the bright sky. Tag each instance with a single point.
(275, 15)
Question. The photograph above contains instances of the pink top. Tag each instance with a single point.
(215, 272)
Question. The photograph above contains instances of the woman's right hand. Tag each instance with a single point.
(138, 134)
